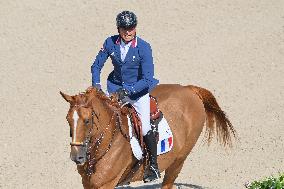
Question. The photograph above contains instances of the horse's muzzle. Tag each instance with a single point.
(78, 154)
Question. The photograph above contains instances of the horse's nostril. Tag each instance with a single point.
(77, 162)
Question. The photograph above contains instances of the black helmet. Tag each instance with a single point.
(126, 19)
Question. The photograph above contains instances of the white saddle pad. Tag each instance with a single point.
(164, 145)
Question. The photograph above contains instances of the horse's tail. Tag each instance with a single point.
(215, 117)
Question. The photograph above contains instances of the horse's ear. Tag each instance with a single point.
(68, 98)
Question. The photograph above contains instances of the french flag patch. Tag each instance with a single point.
(165, 143)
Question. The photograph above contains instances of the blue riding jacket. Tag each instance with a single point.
(135, 73)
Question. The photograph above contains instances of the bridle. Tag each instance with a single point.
(93, 144)
(88, 137)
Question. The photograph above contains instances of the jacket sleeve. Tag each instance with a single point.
(147, 67)
(99, 63)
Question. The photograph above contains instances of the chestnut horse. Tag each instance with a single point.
(100, 144)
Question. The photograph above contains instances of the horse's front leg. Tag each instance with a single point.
(85, 178)
(96, 181)
(105, 181)
(109, 170)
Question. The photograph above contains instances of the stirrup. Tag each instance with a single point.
(151, 174)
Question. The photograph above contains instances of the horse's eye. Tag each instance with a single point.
(87, 121)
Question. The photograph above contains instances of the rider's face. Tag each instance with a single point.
(127, 34)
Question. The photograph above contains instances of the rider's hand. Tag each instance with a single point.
(121, 93)
(97, 86)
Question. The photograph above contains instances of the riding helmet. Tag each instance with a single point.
(126, 19)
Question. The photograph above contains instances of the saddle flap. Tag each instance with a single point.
(155, 117)
(136, 122)
(154, 110)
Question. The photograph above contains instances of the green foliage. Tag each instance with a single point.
(268, 183)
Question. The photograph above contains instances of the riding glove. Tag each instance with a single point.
(121, 93)
(97, 86)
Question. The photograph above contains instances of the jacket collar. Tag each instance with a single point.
(133, 42)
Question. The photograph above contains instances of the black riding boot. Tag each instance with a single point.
(153, 172)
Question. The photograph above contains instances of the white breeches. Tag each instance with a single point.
(142, 106)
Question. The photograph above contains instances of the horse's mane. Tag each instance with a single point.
(84, 98)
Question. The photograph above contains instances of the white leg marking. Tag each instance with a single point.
(75, 118)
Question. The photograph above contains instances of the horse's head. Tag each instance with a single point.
(83, 120)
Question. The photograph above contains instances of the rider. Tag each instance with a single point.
(132, 78)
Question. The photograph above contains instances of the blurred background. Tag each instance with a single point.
(233, 48)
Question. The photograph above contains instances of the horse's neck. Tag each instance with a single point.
(115, 131)
(107, 127)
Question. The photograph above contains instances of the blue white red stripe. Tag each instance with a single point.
(166, 145)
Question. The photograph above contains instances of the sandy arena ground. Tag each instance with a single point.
(233, 48)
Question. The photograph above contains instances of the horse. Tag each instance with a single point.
(100, 144)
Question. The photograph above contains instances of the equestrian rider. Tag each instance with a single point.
(132, 78)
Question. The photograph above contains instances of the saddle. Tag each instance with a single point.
(155, 117)
(164, 139)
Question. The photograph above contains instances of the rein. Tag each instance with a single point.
(92, 145)
(95, 144)
(91, 161)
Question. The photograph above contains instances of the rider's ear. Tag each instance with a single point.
(68, 98)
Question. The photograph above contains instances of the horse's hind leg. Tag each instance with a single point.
(171, 174)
